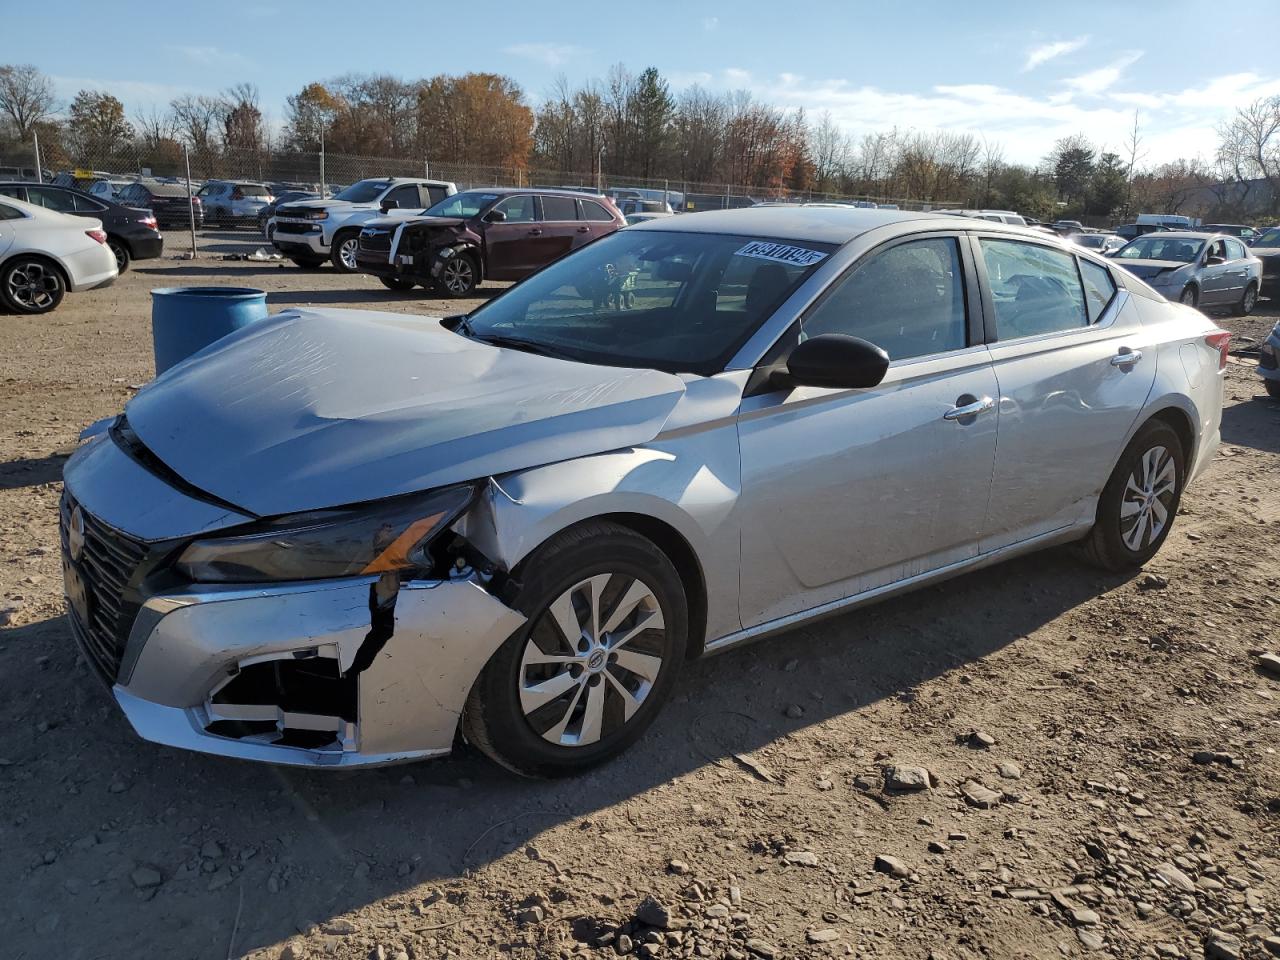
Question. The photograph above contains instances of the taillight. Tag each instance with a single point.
(97, 235)
(1220, 341)
(148, 222)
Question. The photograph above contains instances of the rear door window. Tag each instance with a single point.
(1235, 250)
(558, 209)
(433, 194)
(1036, 290)
(61, 200)
(594, 212)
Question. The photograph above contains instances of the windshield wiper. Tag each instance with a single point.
(518, 343)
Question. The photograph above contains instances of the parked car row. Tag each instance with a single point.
(132, 232)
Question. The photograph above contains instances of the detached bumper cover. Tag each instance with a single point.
(1269, 357)
(184, 647)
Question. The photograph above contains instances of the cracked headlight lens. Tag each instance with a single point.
(373, 538)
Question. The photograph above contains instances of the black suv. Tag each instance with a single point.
(131, 232)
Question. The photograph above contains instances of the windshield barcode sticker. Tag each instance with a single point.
(781, 252)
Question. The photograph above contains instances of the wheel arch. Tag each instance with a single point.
(1182, 425)
(48, 258)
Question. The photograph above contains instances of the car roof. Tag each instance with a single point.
(1186, 235)
(815, 224)
(163, 189)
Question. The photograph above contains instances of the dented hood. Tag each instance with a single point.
(319, 408)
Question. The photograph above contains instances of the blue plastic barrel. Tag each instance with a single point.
(187, 319)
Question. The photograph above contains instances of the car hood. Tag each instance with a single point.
(320, 408)
(392, 222)
(336, 205)
(1148, 269)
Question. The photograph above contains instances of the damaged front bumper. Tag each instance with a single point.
(276, 673)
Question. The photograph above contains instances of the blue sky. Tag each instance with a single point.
(1019, 73)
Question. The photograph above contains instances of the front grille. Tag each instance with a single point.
(106, 565)
(376, 241)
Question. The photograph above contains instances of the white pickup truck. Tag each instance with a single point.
(310, 231)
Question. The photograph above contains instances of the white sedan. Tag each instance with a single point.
(43, 254)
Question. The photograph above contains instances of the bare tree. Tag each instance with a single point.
(26, 97)
(991, 165)
(1135, 153)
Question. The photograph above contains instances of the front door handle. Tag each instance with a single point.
(970, 409)
(535, 232)
(1126, 357)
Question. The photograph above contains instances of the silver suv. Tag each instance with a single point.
(232, 203)
(310, 231)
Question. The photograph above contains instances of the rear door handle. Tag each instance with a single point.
(583, 229)
(970, 409)
(1126, 357)
(535, 232)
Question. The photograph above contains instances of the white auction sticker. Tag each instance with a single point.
(781, 252)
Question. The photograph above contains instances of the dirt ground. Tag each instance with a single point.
(1103, 751)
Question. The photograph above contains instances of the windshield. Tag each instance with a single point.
(679, 302)
(1159, 246)
(1269, 238)
(462, 205)
(1092, 241)
(366, 191)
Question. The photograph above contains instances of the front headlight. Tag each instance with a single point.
(373, 539)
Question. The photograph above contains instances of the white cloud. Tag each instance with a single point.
(1051, 51)
(1097, 81)
(1176, 124)
(551, 54)
(135, 94)
(209, 56)
(710, 23)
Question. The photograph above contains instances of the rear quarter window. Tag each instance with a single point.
(1099, 288)
(595, 212)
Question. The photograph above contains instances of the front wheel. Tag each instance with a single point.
(308, 263)
(1248, 301)
(31, 285)
(1273, 389)
(1138, 504)
(459, 277)
(343, 252)
(607, 628)
(400, 286)
(1190, 295)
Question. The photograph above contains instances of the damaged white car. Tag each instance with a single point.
(344, 537)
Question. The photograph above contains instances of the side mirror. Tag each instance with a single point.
(388, 205)
(1212, 261)
(836, 360)
(495, 216)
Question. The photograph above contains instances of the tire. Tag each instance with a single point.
(1120, 543)
(344, 244)
(121, 253)
(1190, 296)
(31, 285)
(308, 263)
(1248, 300)
(1273, 389)
(588, 693)
(459, 277)
(400, 286)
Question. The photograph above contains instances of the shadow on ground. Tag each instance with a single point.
(31, 472)
(313, 833)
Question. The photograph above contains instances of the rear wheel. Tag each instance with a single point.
(1190, 295)
(1248, 301)
(588, 672)
(1138, 504)
(31, 285)
(120, 252)
(400, 286)
(343, 252)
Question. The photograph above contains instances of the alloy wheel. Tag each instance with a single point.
(457, 275)
(33, 285)
(347, 253)
(591, 659)
(1148, 498)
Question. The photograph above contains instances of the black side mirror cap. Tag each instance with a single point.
(835, 360)
(388, 205)
(495, 216)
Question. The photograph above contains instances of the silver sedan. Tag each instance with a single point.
(341, 537)
(1198, 269)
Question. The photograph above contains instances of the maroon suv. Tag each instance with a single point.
(503, 233)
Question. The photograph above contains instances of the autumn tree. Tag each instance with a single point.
(26, 98)
(242, 127)
(479, 118)
(309, 113)
(97, 128)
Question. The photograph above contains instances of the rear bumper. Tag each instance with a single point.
(94, 266)
(145, 248)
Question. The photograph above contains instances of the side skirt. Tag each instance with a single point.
(773, 627)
